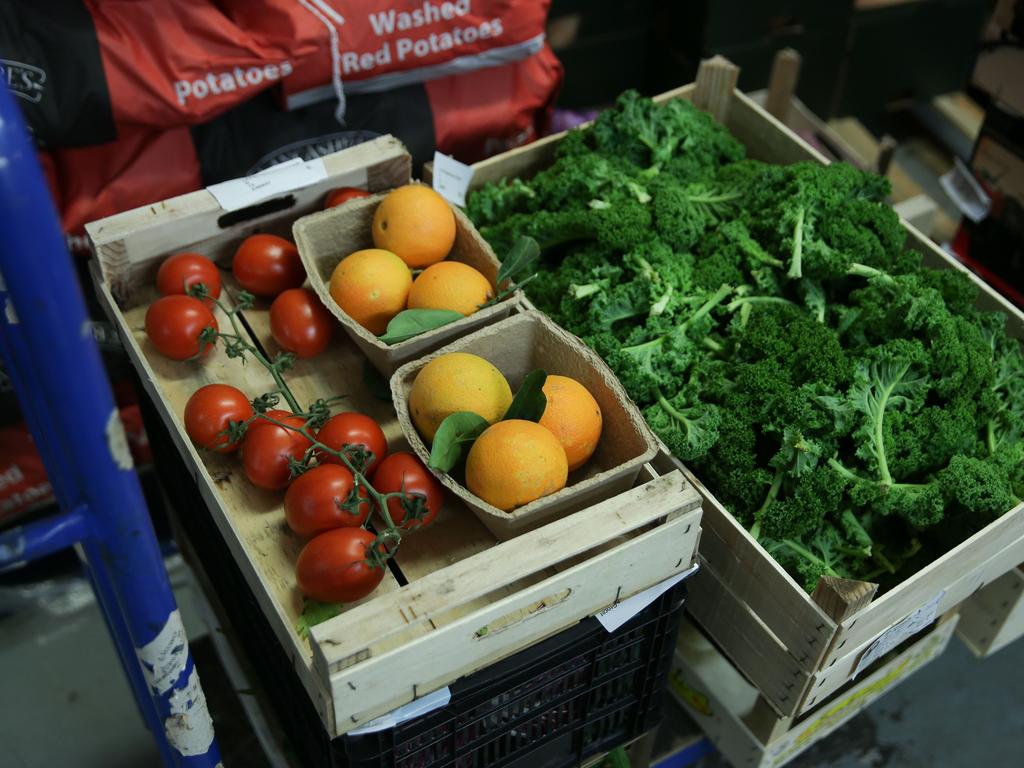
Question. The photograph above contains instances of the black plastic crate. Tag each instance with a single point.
(553, 705)
(577, 694)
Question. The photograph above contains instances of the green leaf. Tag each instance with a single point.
(314, 612)
(530, 401)
(456, 432)
(519, 261)
(413, 322)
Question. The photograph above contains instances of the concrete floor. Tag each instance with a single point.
(65, 702)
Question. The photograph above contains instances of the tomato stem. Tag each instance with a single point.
(380, 500)
(239, 338)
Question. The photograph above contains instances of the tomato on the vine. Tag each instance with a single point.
(425, 494)
(333, 567)
(342, 195)
(210, 412)
(268, 447)
(300, 323)
(174, 323)
(181, 271)
(267, 264)
(353, 429)
(323, 498)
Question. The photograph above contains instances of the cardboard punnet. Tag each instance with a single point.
(524, 342)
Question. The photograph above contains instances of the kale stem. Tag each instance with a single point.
(879, 434)
(773, 493)
(990, 437)
(744, 300)
(849, 475)
(674, 412)
(713, 301)
(796, 266)
(863, 270)
(808, 555)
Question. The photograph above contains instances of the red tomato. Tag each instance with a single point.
(312, 503)
(268, 264)
(173, 324)
(353, 429)
(300, 323)
(344, 194)
(403, 469)
(181, 271)
(209, 413)
(333, 567)
(267, 448)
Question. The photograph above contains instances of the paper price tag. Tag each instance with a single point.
(614, 616)
(421, 706)
(451, 178)
(899, 632)
(276, 180)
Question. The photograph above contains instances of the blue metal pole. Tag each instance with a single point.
(42, 537)
(45, 311)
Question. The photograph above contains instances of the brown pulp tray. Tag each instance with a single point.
(526, 341)
(326, 237)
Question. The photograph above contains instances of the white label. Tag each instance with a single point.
(899, 632)
(965, 191)
(164, 657)
(276, 180)
(451, 178)
(614, 616)
(189, 728)
(421, 706)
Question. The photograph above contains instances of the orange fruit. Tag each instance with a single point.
(574, 417)
(416, 223)
(457, 382)
(450, 285)
(515, 462)
(371, 286)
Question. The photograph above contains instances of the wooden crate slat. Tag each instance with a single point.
(398, 677)
(335, 645)
(748, 642)
(994, 617)
(129, 245)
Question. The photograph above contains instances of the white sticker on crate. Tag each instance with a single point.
(451, 178)
(276, 180)
(614, 616)
(189, 727)
(899, 632)
(164, 657)
(417, 708)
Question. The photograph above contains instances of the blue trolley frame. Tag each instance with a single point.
(47, 347)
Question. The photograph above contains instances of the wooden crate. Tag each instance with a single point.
(994, 617)
(747, 733)
(458, 600)
(799, 648)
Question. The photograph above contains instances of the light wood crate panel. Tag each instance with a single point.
(795, 648)
(994, 617)
(726, 707)
(458, 599)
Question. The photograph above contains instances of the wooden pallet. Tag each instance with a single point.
(747, 732)
(798, 648)
(458, 600)
(994, 617)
